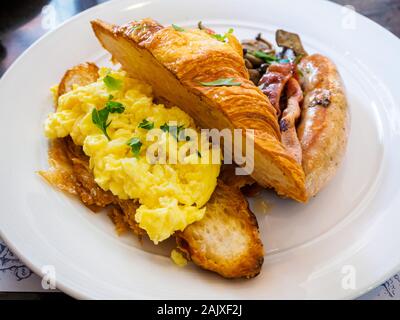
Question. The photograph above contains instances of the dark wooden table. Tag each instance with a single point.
(22, 22)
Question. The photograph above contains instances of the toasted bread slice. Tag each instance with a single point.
(178, 63)
(80, 75)
(69, 167)
(69, 171)
(227, 213)
(61, 173)
(226, 240)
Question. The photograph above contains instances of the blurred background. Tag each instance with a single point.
(23, 22)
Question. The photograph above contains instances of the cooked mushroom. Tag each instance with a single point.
(290, 40)
(256, 62)
(248, 64)
(255, 76)
(258, 45)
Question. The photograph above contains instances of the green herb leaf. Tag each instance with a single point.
(164, 127)
(177, 28)
(221, 37)
(173, 130)
(268, 58)
(229, 82)
(167, 128)
(112, 83)
(99, 118)
(115, 107)
(146, 124)
(135, 145)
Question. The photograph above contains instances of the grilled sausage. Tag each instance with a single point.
(324, 124)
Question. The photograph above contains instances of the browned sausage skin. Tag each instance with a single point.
(324, 123)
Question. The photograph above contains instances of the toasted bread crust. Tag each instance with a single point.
(80, 75)
(69, 171)
(226, 240)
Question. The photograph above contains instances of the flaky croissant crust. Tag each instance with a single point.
(192, 57)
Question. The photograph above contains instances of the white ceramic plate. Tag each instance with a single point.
(351, 228)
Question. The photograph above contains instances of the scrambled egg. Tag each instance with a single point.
(171, 196)
(178, 258)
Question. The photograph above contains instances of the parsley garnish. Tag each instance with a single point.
(164, 127)
(174, 130)
(114, 107)
(112, 83)
(221, 82)
(135, 145)
(177, 28)
(99, 117)
(221, 37)
(268, 58)
(146, 124)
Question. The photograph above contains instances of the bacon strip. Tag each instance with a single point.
(290, 115)
(273, 82)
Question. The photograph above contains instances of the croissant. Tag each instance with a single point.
(175, 62)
